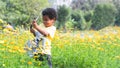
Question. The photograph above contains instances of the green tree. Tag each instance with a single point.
(2, 9)
(117, 21)
(104, 15)
(117, 5)
(21, 12)
(63, 15)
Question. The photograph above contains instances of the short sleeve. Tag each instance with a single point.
(51, 30)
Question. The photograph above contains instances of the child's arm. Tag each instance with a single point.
(35, 25)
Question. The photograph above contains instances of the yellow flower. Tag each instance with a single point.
(93, 46)
(2, 49)
(12, 51)
(29, 62)
(21, 50)
(101, 49)
(15, 48)
(117, 57)
(89, 39)
(12, 42)
(35, 57)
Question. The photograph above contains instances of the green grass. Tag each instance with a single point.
(67, 52)
(82, 55)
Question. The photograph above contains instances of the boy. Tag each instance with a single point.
(47, 29)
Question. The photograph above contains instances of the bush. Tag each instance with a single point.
(88, 16)
(104, 15)
(79, 20)
(76, 18)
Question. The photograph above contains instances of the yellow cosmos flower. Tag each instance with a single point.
(15, 48)
(21, 50)
(29, 62)
(101, 49)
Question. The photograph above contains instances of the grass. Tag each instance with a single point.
(84, 49)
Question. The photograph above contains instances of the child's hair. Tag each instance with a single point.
(50, 12)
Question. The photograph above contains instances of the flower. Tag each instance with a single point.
(29, 62)
(101, 49)
(117, 57)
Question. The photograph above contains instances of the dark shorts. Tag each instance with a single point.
(45, 57)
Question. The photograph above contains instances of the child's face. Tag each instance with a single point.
(47, 21)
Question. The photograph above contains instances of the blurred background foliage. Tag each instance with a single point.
(80, 14)
(21, 12)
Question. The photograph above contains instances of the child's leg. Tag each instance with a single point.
(49, 61)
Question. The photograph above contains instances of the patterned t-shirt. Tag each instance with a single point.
(51, 30)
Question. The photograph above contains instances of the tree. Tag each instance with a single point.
(117, 5)
(22, 12)
(81, 4)
(63, 15)
(104, 15)
(117, 21)
(2, 9)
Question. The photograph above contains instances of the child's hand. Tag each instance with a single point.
(32, 30)
(34, 24)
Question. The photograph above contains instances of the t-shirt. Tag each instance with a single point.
(51, 30)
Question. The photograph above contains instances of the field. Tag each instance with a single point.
(79, 49)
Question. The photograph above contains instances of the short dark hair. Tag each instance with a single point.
(50, 12)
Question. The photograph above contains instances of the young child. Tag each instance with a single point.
(47, 29)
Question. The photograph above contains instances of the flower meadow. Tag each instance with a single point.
(79, 49)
